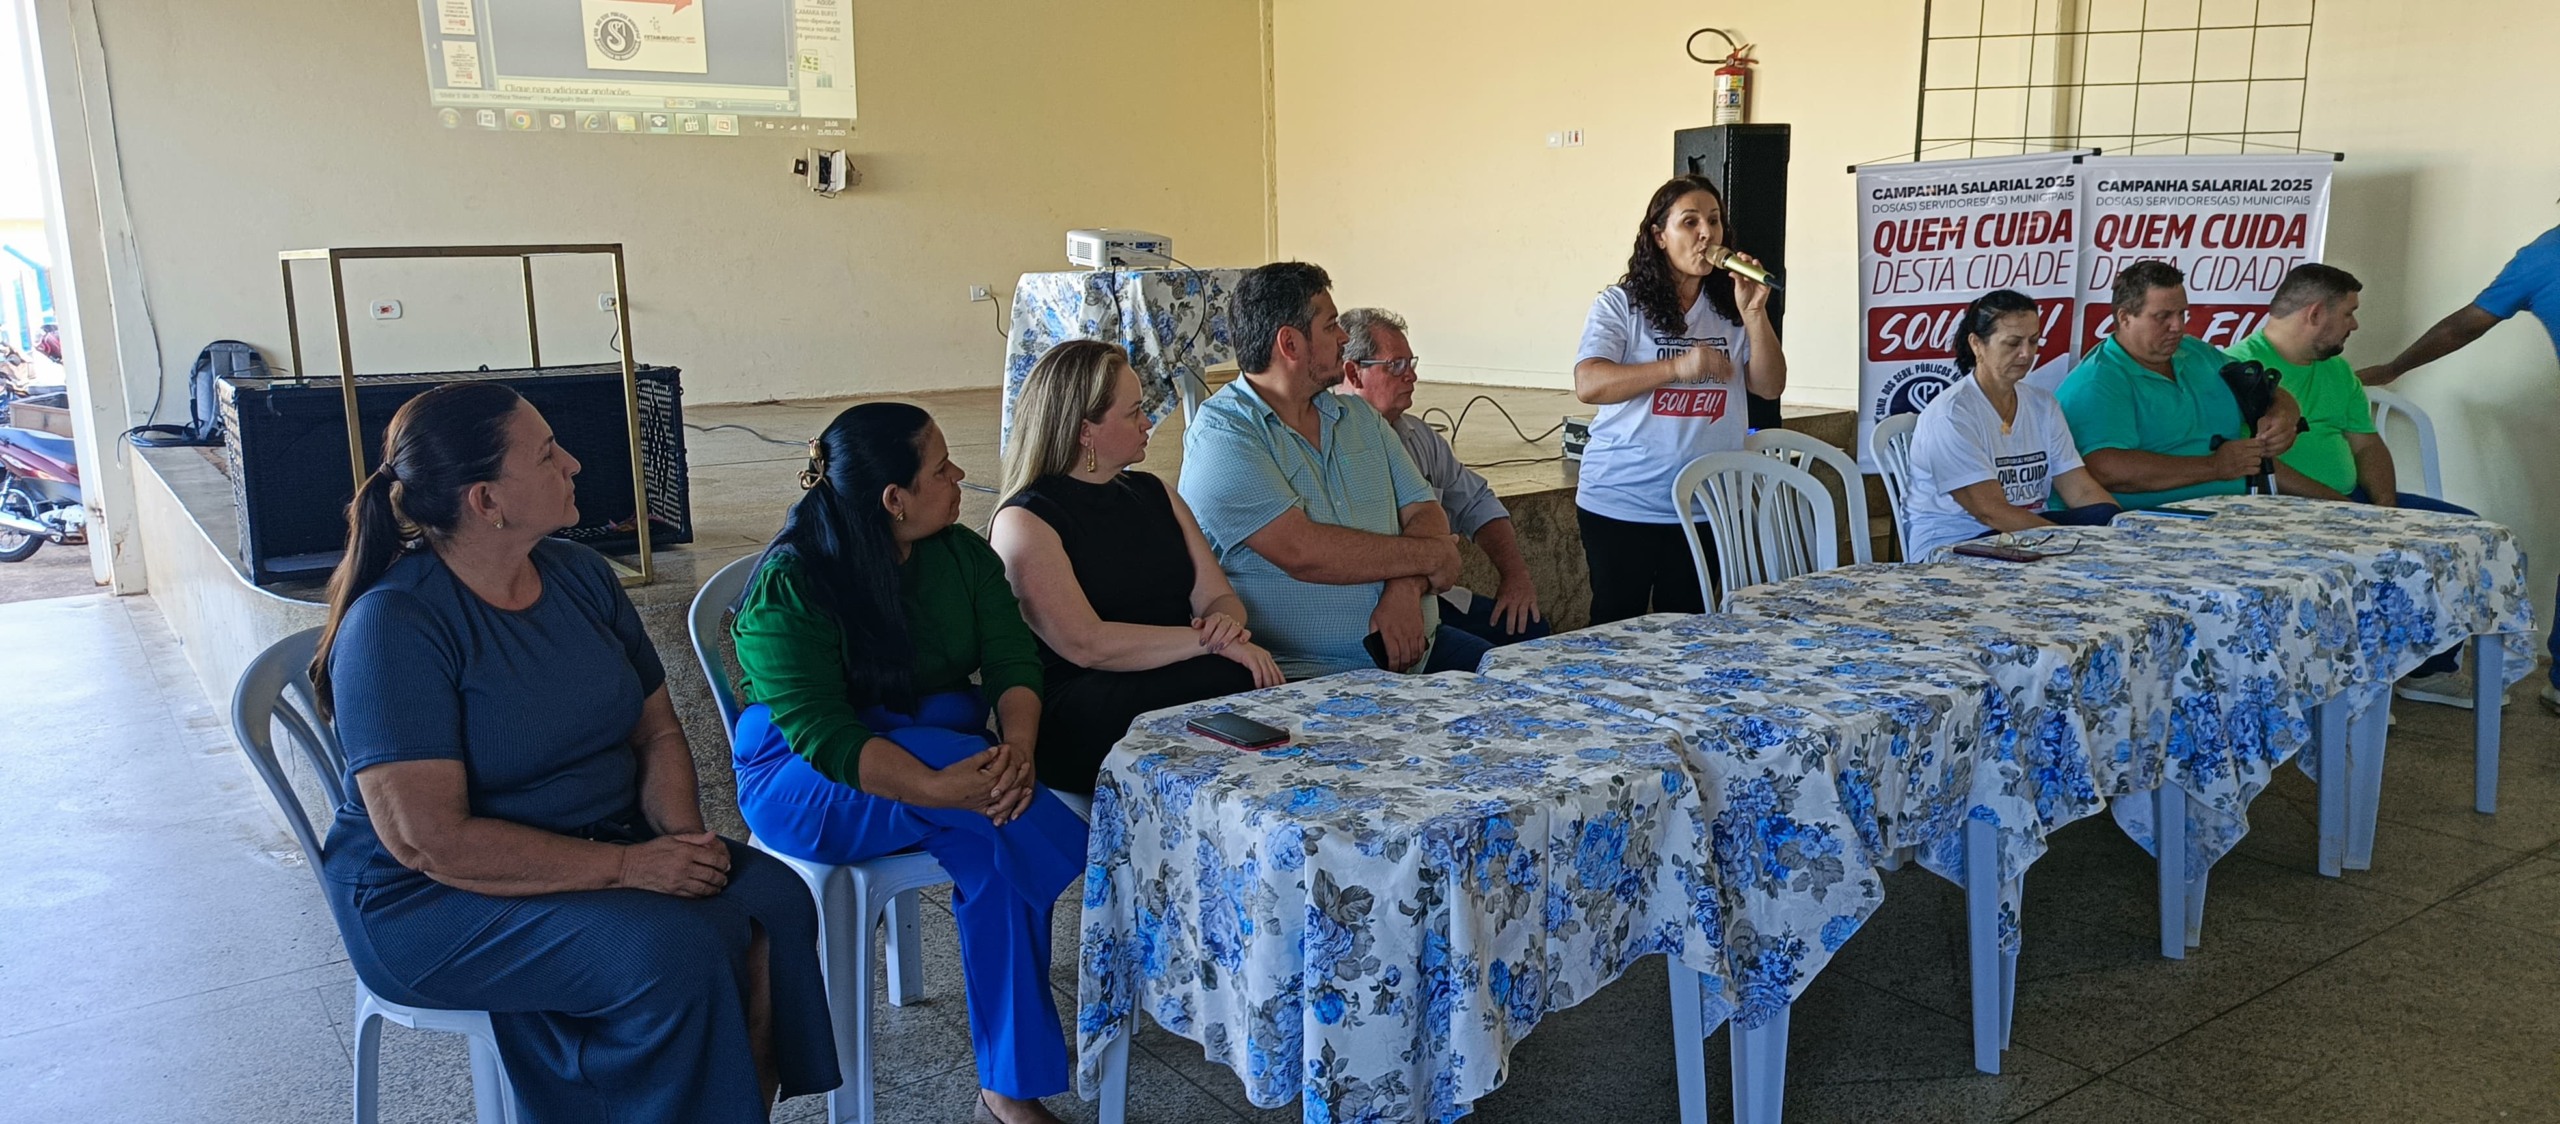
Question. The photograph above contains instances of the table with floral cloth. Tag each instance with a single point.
(1917, 739)
(1372, 916)
(1923, 749)
(2257, 635)
(2424, 582)
(1174, 323)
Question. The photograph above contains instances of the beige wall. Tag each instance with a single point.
(1412, 163)
(2451, 165)
(988, 130)
(1421, 177)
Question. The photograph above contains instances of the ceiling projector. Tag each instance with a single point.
(1118, 249)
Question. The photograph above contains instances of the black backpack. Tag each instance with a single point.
(219, 360)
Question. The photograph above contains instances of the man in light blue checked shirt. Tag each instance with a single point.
(1333, 539)
(1378, 364)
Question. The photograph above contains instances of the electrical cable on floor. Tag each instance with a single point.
(1459, 422)
(1450, 430)
(759, 435)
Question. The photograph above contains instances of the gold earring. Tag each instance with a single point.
(1090, 461)
(499, 522)
(901, 516)
(812, 475)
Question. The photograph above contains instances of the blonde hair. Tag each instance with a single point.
(1069, 386)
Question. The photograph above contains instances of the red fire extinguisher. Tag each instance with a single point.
(1733, 77)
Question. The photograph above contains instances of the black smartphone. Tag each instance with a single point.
(1376, 643)
(1238, 731)
(2183, 512)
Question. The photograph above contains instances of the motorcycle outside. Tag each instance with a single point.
(39, 493)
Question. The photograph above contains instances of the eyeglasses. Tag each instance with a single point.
(1400, 368)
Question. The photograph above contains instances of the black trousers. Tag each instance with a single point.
(1639, 568)
(1084, 714)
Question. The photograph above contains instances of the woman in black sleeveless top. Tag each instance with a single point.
(1130, 608)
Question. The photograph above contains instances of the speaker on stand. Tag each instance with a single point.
(1748, 165)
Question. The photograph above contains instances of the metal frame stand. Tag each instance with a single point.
(338, 256)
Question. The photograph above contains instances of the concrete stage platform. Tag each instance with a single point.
(741, 484)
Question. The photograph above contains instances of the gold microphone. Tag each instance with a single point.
(1722, 257)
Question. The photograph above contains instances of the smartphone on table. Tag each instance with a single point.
(1237, 730)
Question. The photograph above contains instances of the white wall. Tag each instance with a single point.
(988, 129)
(1412, 163)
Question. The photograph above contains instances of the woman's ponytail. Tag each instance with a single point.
(374, 541)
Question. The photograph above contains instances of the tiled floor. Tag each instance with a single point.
(164, 955)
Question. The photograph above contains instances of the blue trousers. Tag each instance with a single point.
(2450, 659)
(1004, 879)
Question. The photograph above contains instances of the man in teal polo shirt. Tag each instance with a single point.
(2146, 405)
(1331, 536)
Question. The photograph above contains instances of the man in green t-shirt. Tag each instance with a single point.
(2146, 406)
(2340, 457)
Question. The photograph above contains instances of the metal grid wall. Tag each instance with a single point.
(2003, 77)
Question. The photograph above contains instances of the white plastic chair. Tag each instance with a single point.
(2386, 403)
(276, 690)
(1771, 521)
(1799, 451)
(1891, 441)
(853, 899)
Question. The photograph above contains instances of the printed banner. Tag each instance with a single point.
(1935, 235)
(2235, 225)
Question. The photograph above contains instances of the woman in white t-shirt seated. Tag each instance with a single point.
(1990, 452)
(1666, 354)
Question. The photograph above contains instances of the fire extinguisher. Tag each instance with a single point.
(1733, 77)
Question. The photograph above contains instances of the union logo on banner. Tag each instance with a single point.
(1684, 402)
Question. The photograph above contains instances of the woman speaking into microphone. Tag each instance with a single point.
(1666, 354)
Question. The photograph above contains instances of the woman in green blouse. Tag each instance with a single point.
(865, 736)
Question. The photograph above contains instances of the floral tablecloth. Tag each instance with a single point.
(1174, 322)
(2225, 632)
(1917, 741)
(2270, 632)
(2089, 675)
(2425, 581)
(1372, 916)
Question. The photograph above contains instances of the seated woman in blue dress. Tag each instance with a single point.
(522, 834)
(1990, 452)
(864, 736)
(1130, 607)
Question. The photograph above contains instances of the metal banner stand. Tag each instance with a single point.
(337, 256)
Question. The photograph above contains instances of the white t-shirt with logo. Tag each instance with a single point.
(1639, 446)
(1960, 442)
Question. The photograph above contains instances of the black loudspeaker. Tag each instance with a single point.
(1748, 164)
(285, 447)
